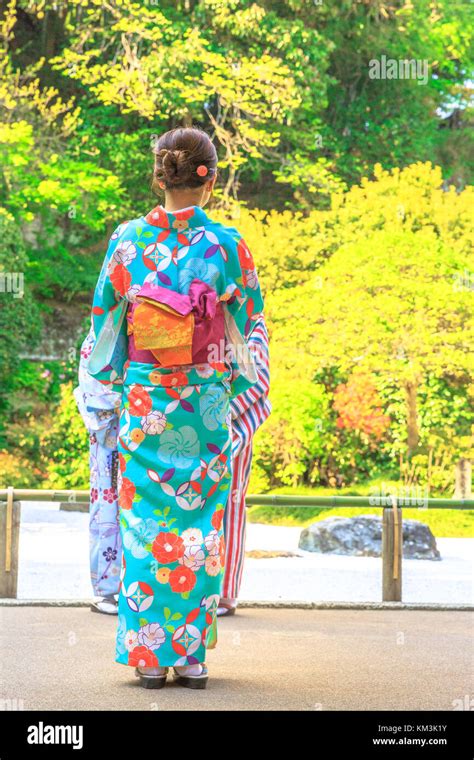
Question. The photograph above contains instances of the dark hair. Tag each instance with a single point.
(179, 153)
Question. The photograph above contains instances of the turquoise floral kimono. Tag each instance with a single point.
(176, 300)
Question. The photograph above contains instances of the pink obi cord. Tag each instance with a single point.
(209, 322)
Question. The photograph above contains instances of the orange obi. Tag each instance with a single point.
(167, 323)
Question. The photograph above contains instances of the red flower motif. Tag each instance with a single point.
(122, 462)
(121, 279)
(140, 401)
(167, 547)
(109, 495)
(222, 550)
(127, 494)
(182, 579)
(142, 657)
(217, 518)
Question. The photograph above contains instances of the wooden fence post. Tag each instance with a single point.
(10, 512)
(392, 553)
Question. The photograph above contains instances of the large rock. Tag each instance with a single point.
(362, 537)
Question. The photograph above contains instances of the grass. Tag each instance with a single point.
(444, 523)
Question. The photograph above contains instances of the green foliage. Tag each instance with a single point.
(390, 296)
(368, 267)
(296, 433)
(68, 445)
(20, 324)
(17, 471)
(396, 307)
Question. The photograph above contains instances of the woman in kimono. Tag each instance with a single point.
(176, 301)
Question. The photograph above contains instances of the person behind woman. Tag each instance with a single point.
(177, 290)
(249, 411)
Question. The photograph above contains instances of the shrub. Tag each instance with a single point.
(67, 444)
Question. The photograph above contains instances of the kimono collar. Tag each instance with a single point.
(184, 219)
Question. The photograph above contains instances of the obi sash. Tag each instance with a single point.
(172, 328)
(193, 322)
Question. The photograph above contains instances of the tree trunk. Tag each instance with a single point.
(463, 489)
(413, 436)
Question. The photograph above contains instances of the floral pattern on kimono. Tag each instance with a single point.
(174, 439)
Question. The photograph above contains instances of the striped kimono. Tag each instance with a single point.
(249, 410)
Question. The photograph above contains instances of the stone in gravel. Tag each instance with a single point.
(362, 537)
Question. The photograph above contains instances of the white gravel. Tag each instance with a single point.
(54, 556)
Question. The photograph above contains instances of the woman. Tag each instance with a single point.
(176, 292)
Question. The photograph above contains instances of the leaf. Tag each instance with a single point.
(167, 612)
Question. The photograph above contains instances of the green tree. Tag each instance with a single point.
(395, 297)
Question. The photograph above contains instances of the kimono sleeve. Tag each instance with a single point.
(258, 346)
(108, 325)
(97, 403)
(245, 301)
(243, 308)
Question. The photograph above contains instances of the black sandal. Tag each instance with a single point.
(192, 682)
(151, 682)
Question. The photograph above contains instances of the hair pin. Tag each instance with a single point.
(202, 170)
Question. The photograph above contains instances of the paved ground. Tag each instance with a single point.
(276, 659)
(54, 555)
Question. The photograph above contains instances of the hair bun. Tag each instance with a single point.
(180, 156)
(175, 166)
